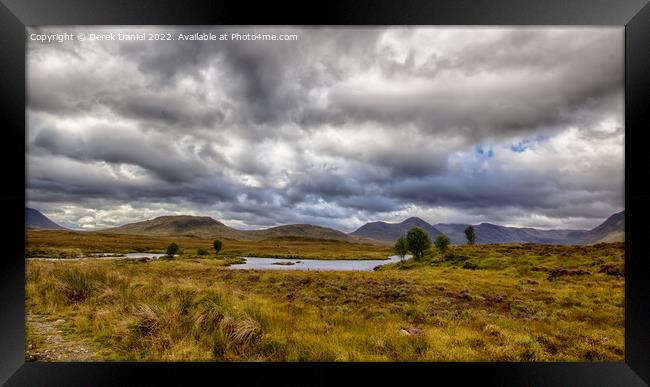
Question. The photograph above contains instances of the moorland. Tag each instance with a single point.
(489, 302)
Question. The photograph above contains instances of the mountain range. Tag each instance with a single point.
(611, 230)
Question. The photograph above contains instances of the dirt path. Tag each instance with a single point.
(48, 342)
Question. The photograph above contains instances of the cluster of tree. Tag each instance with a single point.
(417, 241)
(173, 248)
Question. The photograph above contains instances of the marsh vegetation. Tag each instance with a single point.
(517, 302)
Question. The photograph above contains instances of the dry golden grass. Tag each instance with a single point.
(49, 243)
(504, 307)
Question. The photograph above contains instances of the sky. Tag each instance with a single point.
(514, 126)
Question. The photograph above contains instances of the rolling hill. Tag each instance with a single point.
(299, 230)
(35, 219)
(206, 227)
(201, 226)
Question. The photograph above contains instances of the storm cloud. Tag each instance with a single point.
(518, 126)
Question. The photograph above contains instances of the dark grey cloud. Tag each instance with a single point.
(115, 145)
(344, 125)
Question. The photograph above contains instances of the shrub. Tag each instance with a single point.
(418, 241)
(470, 265)
(401, 247)
(456, 258)
(470, 235)
(217, 245)
(172, 249)
(202, 252)
(442, 243)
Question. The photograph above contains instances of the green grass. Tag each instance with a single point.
(505, 307)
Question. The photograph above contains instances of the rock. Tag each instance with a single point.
(465, 294)
(60, 321)
(412, 331)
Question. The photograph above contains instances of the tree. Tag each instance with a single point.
(442, 243)
(418, 241)
(172, 249)
(401, 247)
(470, 235)
(217, 245)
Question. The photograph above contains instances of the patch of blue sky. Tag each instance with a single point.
(520, 147)
(528, 143)
(485, 151)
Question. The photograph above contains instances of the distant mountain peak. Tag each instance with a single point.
(389, 232)
(620, 214)
(35, 219)
(188, 218)
(611, 230)
(415, 220)
(183, 217)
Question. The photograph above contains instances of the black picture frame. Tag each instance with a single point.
(15, 15)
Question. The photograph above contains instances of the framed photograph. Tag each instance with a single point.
(368, 192)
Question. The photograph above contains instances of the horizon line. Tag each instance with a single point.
(329, 227)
